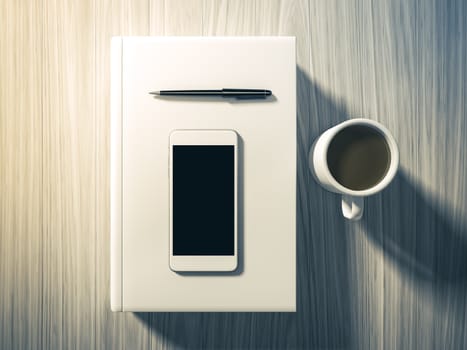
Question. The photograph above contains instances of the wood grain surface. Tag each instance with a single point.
(395, 280)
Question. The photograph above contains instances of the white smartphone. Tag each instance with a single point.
(203, 200)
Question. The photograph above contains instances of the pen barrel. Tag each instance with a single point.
(190, 93)
(246, 93)
(233, 93)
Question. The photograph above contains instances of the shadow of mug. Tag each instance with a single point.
(422, 241)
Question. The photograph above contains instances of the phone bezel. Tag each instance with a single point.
(203, 262)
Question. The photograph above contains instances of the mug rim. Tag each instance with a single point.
(393, 150)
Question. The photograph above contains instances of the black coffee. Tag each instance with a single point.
(358, 157)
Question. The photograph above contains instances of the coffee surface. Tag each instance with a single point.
(358, 157)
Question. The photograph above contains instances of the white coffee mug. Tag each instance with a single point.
(352, 200)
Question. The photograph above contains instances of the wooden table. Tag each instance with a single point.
(395, 280)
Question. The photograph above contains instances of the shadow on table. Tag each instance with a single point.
(421, 240)
(323, 311)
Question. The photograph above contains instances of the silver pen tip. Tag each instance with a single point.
(156, 93)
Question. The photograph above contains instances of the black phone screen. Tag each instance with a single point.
(203, 199)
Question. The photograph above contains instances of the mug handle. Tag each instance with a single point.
(352, 207)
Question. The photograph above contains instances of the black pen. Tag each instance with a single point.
(235, 93)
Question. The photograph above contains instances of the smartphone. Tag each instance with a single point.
(203, 200)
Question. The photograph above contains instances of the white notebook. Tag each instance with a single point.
(141, 279)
